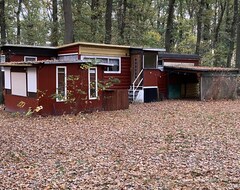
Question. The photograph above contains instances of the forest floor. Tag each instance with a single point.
(163, 145)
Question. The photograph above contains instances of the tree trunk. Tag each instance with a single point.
(54, 28)
(169, 29)
(95, 16)
(121, 15)
(218, 23)
(18, 22)
(108, 22)
(232, 34)
(3, 22)
(68, 34)
(238, 42)
(199, 26)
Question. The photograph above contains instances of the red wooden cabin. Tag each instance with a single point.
(33, 82)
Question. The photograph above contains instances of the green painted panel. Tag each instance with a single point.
(174, 91)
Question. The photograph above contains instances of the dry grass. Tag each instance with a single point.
(164, 145)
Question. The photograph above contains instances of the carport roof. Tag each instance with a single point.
(200, 69)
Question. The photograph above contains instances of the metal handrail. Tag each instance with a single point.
(134, 89)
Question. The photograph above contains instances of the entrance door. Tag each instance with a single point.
(136, 66)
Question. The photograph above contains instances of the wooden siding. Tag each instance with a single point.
(17, 58)
(124, 76)
(12, 101)
(103, 51)
(70, 49)
(150, 77)
(155, 77)
(115, 99)
(163, 85)
(48, 86)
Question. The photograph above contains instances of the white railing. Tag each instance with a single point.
(136, 85)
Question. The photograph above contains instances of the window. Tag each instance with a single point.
(32, 79)
(30, 58)
(19, 83)
(61, 83)
(7, 77)
(92, 83)
(150, 60)
(68, 57)
(113, 62)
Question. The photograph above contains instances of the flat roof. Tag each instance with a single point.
(48, 62)
(184, 68)
(93, 44)
(27, 46)
(178, 55)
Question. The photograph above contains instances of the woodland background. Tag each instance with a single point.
(209, 28)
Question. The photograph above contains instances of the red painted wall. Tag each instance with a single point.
(12, 101)
(155, 77)
(69, 49)
(47, 84)
(124, 76)
(150, 77)
(14, 58)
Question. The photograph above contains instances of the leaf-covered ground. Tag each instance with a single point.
(163, 145)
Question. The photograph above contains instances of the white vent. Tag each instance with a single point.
(2, 58)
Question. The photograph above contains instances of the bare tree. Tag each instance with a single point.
(68, 33)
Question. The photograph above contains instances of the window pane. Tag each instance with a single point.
(68, 57)
(92, 83)
(115, 62)
(102, 60)
(26, 58)
(89, 59)
(61, 84)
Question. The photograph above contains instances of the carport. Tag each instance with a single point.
(203, 83)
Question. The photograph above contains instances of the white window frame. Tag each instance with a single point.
(84, 57)
(7, 77)
(30, 57)
(89, 84)
(65, 81)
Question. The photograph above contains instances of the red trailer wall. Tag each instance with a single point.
(69, 49)
(155, 77)
(21, 58)
(124, 76)
(12, 101)
(47, 84)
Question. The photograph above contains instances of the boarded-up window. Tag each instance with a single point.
(19, 83)
(92, 78)
(61, 83)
